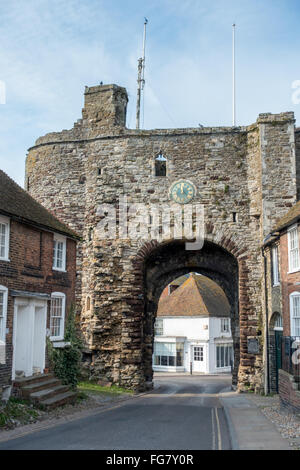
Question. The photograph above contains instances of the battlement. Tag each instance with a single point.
(105, 105)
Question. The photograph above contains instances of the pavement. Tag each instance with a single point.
(249, 429)
(181, 413)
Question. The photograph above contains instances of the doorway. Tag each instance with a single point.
(198, 359)
(30, 320)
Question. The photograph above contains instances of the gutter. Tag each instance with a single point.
(267, 385)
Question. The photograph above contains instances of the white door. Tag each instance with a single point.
(198, 358)
(22, 346)
(39, 339)
(29, 336)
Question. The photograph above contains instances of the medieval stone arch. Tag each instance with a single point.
(156, 265)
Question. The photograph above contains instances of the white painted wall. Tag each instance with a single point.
(195, 331)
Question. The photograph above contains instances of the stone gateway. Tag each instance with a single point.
(245, 178)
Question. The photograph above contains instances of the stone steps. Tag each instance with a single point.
(44, 390)
(39, 386)
(59, 400)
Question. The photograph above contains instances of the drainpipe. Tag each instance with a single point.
(267, 382)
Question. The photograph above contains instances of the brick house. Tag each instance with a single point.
(282, 262)
(37, 282)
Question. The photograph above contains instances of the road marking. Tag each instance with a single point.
(213, 430)
(219, 429)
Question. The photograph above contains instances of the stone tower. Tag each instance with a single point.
(245, 177)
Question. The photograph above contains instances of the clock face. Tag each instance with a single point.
(182, 192)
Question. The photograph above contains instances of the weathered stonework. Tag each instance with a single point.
(249, 171)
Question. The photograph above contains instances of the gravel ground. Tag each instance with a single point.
(288, 424)
(93, 401)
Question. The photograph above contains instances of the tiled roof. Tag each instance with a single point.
(289, 218)
(17, 203)
(197, 296)
(180, 280)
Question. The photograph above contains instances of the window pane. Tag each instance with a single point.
(293, 249)
(164, 360)
(158, 327)
(56, 316)
(297, 326)
(2, 240)
(171, 361)
(1, 315)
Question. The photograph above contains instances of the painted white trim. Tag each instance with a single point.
(26, 302)
(291, 229)
(62, 296)
(275, 266)
(6, 221)
(60, 238)
(292, 295)
(5, 299)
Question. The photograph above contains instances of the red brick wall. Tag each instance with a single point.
(289, 395)
(30, 269)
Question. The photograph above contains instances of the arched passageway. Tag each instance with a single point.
(169, 261)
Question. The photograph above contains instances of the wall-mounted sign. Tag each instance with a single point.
(253, 346)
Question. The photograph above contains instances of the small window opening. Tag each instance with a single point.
(234, 217)
(160, 165)
(90, 234)
(88, 303)
(99, 171)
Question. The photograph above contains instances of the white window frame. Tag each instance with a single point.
(292, 268)
(6, 222)
(159, 327)
(275, 265)
(4, 290)
(225, 321)
(293, 295)
(59, 239)
(198, 353)
(278, 323)
(59, 295)
(224, 345)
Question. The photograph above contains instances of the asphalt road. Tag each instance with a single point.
(182, 413)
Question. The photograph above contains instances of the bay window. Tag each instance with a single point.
(168, 354)
(224, 355)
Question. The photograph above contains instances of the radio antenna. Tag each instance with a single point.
(141, 79)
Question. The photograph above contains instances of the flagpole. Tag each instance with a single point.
(233, 78)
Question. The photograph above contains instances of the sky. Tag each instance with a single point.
(51, 49)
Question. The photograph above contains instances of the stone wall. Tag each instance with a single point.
(237, 173)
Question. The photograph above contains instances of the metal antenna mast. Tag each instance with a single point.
(141, 79)
(233, 78)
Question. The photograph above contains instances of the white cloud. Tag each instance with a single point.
(49, 50)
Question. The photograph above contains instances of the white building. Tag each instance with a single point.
(192, 327)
